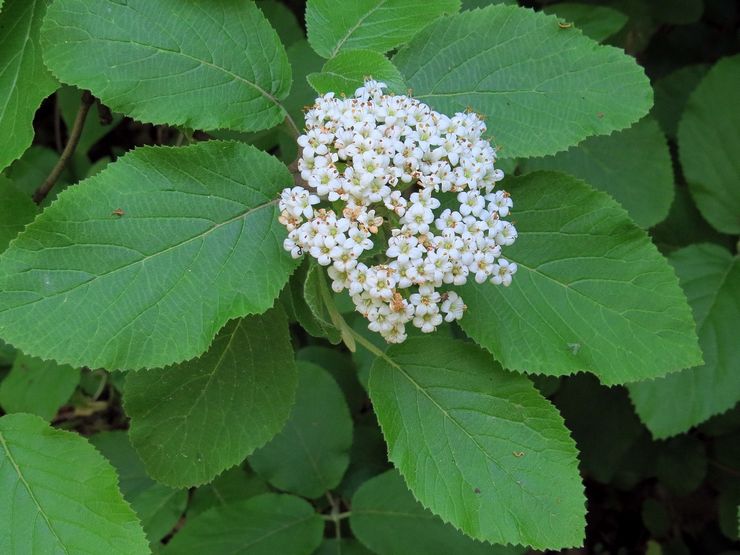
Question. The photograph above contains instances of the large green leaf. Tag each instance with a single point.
(59, 494)
(387, 519)
(379, 25)
(37, 387)
(348, 70)
(24, 81)
(283, 19)
(202, 65)
(672, 93)
(192, 421)
(268, 524)
(311, 454)
(235, 484)
(477, 445)
(592, 292)
(115, 446)
(711, 278)
(150, 257)
(16, 210)
(597, 22)
(157, 506)
(542, 87)
(634, 166)
(708, 143)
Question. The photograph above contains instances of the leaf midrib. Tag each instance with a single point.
(30, 492)
(354, 28)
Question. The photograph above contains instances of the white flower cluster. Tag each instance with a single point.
(382, 165)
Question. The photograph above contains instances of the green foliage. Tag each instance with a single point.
(192, 223)
(311, 454)
(709, 159)
(497, 61)
(259, 414)
(388, 520)
(633, 166)
(16, 210)
(466, 434)
(347, 71)
(37, 387)
(379, 25)
(247, 376)
(24, 81)
(711, 278)
(232, 73)
(264, 525)
(235, 484)
(597, 22)
(157, 506)
(76, 510)
(591, 293)
(671, 94)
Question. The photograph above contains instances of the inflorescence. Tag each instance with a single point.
(388, 166)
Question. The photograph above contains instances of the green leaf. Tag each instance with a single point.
(311, 454)
(681, 465)
(346, 72)
(159, 509)
(603, 436)
(342, 369)
(268, 524)
(379, 25)
(313, 292)
(37, 387)
(542, 87)
(634, 166)
(157, 506)
(236, 484)
(304, 61)
(192, 421)
(708, 143)
(30, 170)
(132, 476)
(477, 445)
(711, 278)
(685, 225)
(195, 243)
(16, 210)
(283, 20)
(24, 81)
(592, 293)
(293, 300)
(150, 64)
(60, 495)
(677, 12)
(472, 4)
(388, 520)
(597, 22)
(672, 93)
(368, 456)
(341, 546)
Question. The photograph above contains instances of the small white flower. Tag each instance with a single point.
(393, 154)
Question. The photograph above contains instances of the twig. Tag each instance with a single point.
(74, 138)
(291, 123)
(57, 124)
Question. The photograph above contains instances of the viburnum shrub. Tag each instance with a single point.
(350, 277)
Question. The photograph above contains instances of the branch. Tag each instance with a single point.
(74, 139)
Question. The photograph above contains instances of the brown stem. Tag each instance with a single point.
(74, 138)
(57, 124)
